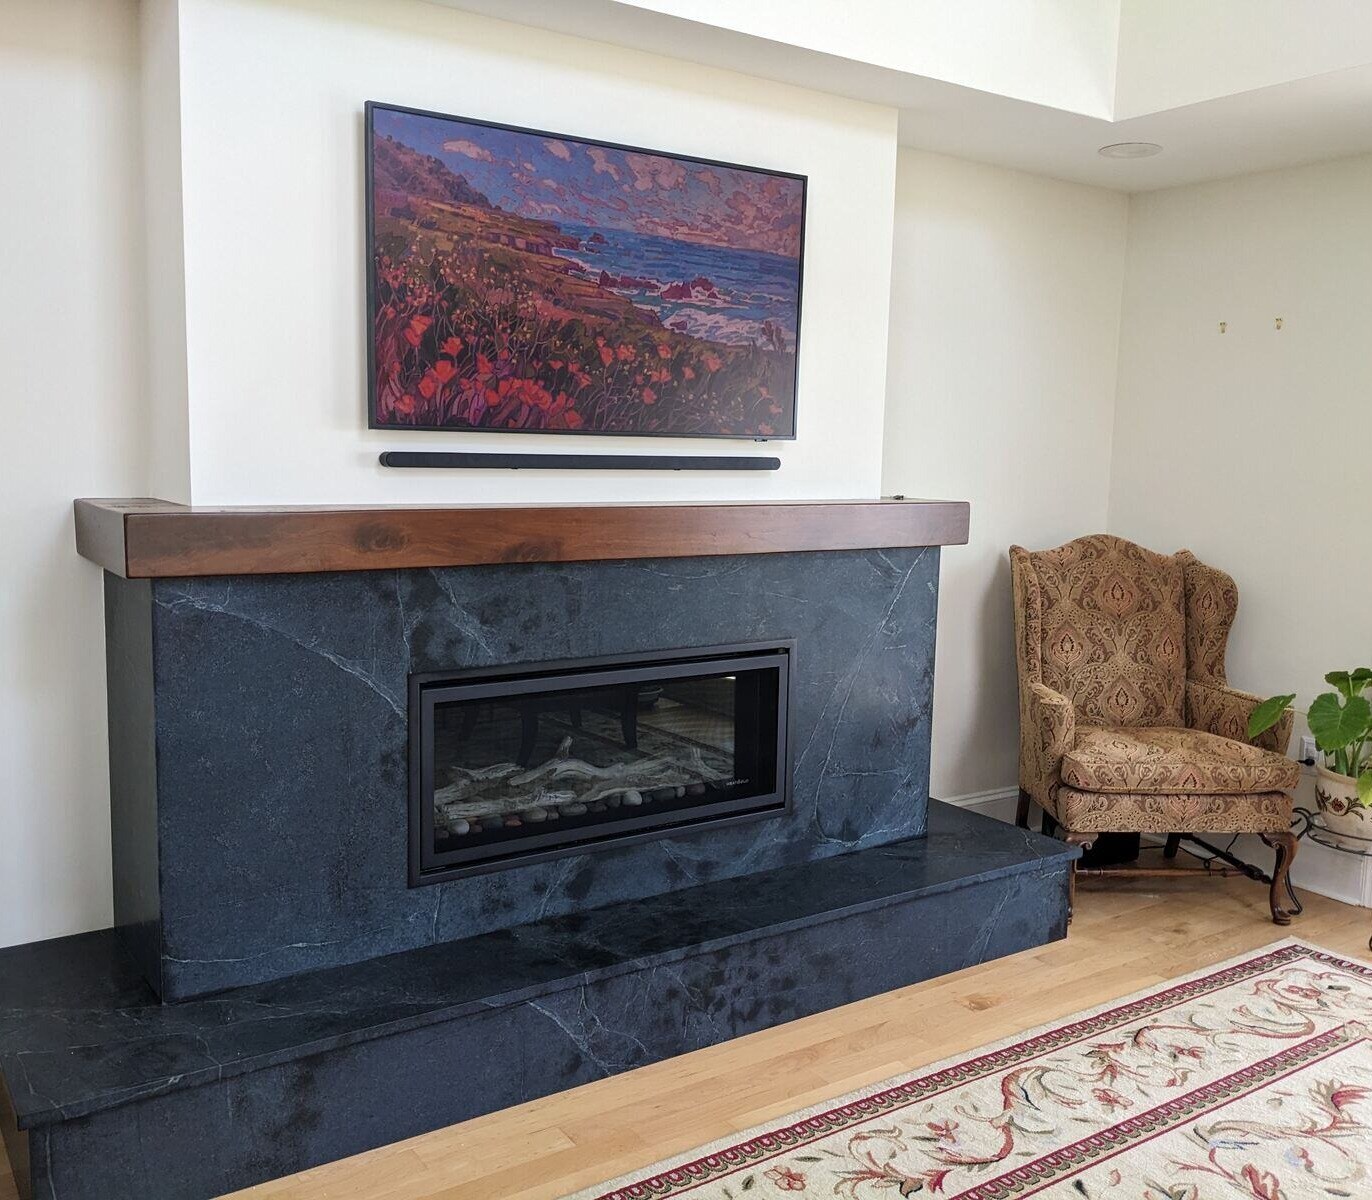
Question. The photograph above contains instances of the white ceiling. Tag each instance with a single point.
(1225, 86)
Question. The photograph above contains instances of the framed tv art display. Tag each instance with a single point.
(525, 281)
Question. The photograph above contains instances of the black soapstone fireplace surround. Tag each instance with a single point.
(278, 993)
(560, 758)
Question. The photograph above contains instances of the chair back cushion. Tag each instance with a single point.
(1112, 630)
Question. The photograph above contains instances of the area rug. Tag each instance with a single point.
(1248, 1079)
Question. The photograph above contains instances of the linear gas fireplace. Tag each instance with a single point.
(535, 761)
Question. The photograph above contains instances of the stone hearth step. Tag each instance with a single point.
(108, 1094)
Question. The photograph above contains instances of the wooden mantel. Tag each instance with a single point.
(149, 539)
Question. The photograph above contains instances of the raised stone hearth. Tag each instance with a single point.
(270, 1079)
(421, 813)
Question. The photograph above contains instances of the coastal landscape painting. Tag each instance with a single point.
(523, 281)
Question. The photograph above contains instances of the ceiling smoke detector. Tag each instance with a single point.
(1130, 150)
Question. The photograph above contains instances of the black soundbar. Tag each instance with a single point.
(487, 461)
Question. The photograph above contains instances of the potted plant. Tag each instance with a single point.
(1341, 722)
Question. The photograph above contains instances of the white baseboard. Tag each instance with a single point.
(999, 803)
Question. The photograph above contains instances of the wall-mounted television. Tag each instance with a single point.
(526, 281)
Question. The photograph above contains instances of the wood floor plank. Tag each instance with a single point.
(1126, 937)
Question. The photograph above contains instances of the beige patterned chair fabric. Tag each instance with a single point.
(1127, 722)
(1163, 759)
(1134, 812)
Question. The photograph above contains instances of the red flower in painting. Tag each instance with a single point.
(427, 386)
(415, 330)
(712, 361)
(405, 405)
(444, 370)
(484, 369)
(663, 351)
(786, 1179)
(607, 356)
(452, 346)
(649, 396)
(572, 418)
(625, 353)
(532, 393)
(687, 373)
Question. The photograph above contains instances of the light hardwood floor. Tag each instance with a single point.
(1127, 936)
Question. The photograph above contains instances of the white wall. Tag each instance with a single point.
(1005, 308)
(271, 129)
(168, 433)
(71, 400)
(1251, 446)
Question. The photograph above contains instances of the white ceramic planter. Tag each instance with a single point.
(1340, 811)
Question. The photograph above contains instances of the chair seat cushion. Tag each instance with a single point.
(1146, 812)
(1163, 759)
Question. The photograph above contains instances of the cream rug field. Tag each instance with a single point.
(1249, 1080)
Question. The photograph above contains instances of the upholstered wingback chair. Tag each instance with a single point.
(1127, 721)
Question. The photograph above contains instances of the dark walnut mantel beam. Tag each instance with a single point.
(148, 539)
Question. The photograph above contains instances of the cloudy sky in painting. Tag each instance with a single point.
(561, 179)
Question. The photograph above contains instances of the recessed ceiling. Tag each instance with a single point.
(1225, 86)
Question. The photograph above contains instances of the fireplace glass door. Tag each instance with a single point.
(571, 757)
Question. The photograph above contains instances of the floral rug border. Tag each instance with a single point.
(748, 1148)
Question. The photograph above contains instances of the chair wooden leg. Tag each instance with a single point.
(1284, 843)
(1022, 811)
(1173, 845)
(1085, 841)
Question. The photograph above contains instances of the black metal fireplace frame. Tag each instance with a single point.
(431, 687)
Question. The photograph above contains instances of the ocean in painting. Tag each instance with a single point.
(526, 282)
(751, 286)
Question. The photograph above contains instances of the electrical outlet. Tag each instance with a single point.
(1307, 748)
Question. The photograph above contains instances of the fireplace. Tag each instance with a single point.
(269, 805)
(530, 762)
(293, 694)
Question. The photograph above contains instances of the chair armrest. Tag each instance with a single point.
(1048, 726)
(1224, 711)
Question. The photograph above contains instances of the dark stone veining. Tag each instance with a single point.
(280, 735)
(273, 1078)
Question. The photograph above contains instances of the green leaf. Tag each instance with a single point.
(1336, 725)
(1267, 714)
(1361, 678)
(1365, 788)
(1341, 680)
